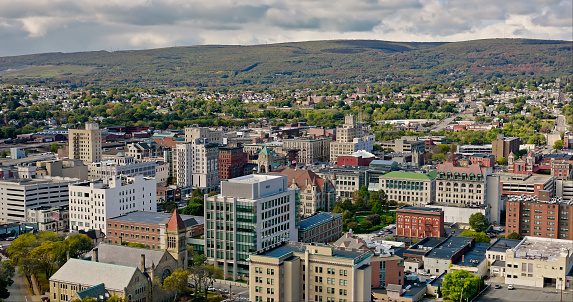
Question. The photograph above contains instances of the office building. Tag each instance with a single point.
(120, 166)
(232, 162)
(253, 212)
(196, 165)
(311, 150)
(145, 150)
(502, 146)
(85, 144)
(462, 186)
(72, 168)
(296, 271)
(212, 136)
(529, 216)
(350, 138)
(18, 195)
(93, 202)
(149, 228)
(320, 227)
(417, 222)
(409, 187)
(539, 262)
(537, 185)
(404, 146)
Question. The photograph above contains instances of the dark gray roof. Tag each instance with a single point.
(94, 292)
(498, 263)
(157, 218)
(449, 247)
(474, 256)
(502, 244)
(424, 246)
(89, 273)
(298, 247)
(316, 219)
(419, 209)
(129, 256)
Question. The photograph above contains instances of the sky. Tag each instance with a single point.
(40, 26)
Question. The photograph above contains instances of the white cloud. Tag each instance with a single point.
(31, 26)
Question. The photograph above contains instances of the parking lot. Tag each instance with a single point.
(522, 294)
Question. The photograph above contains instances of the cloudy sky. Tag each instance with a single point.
(37, 26)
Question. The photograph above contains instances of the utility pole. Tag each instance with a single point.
(462, 294)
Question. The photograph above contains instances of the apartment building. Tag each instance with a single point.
(350, 138)
(502, 146)
(409, 187)
(253, 212)
(212, 136)
(18, 195)
(149, 228)
(92, 203)
(120, 166)
(417, 222)
(529, 216)
(539, 262)
(142, 150)
(462, 186)
(196, 165)
(296, 271)
(320, 227)
(404, 146)
(311, 150)
(232, 162)
(85, 144)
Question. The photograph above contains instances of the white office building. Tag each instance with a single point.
(120, 166)
(93, 202)
(196, 165)
(252, 213)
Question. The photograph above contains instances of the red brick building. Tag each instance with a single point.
(358, 159)
(232, 161)
(148, 228)
(484, 160)
(417, 222)
(528, 216)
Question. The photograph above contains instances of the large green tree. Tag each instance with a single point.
(479, 236)
(514, 235)
(478, 222)
(176, 282)
(460, 285)
(6, 279)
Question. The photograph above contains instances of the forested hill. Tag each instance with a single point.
(340, 61)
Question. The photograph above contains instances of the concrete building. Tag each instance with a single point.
(437, 261)
(49, 219)
(129, 283)
(404, 146)
(252, 213)
(232, 162)
(320, 227)
(85, 145)
(196, 165)
(537, 185)
(496, 253)
(316, 193)
(346, 180)
(93, 202)
(149, 228)
(311, 150)
(212, 136)
(145, 150)
(417, 222)
(309, 272)
(350, 138)
(468, 150)
(409, 187)
(120, 166)
(502, 146)
(539, 262)
(461, 186)
(528, 216)
(18, 195)
(473, 260)
(62, 168)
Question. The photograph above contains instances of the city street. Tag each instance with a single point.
(18, 290)
(523, 294)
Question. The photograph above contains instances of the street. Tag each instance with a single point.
(18, 290)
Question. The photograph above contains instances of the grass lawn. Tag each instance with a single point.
(360, 219)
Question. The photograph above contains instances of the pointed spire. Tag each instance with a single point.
(175, 222)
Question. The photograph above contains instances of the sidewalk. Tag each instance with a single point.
(37, 297)
(233, 283)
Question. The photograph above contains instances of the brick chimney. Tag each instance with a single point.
(95, 255)
(463, 258)
(142, 263)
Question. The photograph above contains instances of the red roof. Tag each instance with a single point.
(301, 177)
(175, 222)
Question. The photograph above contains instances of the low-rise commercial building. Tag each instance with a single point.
(50, 219)
(320, 227)
(409, 187)
(417, 222)
(295, 271)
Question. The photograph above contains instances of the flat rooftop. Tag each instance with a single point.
(524, 179)
(299, 247)
(157, 218)
(449, 247)
(253, 178)
(544, 249)
(502, 245)
(409, 208)
(474, 256)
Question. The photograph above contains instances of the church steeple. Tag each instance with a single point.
(176, 239)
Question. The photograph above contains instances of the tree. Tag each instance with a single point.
(213, 193)
(479, 236)
(366, 225)
(352, 226)
(389, 219)
(54, 148)
(478, 222)
(6, 279)
(78, 245)
(115, 298)
(460, 285)
(86, 299)
(176, 282)
(502, 161)
(375, 219)
(558, 145)
(197, 193)
(514, 235)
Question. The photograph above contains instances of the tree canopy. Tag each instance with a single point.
(478, 222)
(479, 236)
(460, 285)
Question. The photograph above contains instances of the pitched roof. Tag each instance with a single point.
(301, 176)
(449, 167)
(175, 222)
(94, 292)
(265, 151)
(90, 273)
(128, 255)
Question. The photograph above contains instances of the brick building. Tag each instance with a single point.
(528, 216)
(321, 227)
(419, 222)
(502, 146)
(148, 228)
(232, 161)
(484, 160)
(359, 158)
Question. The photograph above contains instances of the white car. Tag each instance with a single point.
(510, 286)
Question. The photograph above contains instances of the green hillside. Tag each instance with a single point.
(294, 63)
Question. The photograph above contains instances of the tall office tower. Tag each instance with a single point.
(85, 144)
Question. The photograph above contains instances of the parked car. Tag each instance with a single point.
(211, 289)
(510, 286)
(191, 285)
(497, 286)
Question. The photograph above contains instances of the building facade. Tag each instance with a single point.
(416, 222)
(409, 187)
(350, 138)
(253, 212)
(196, 165)
(49, 219)
(502, 146)
(93, 202)
(212, 136)
(232, 162)
(529, 216)
(85, 144)
(120, 166)
(461, 186)
(310, 272)
(310, 150)
(18, 195)
(321, 228)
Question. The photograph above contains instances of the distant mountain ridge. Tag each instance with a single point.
(287, 64)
